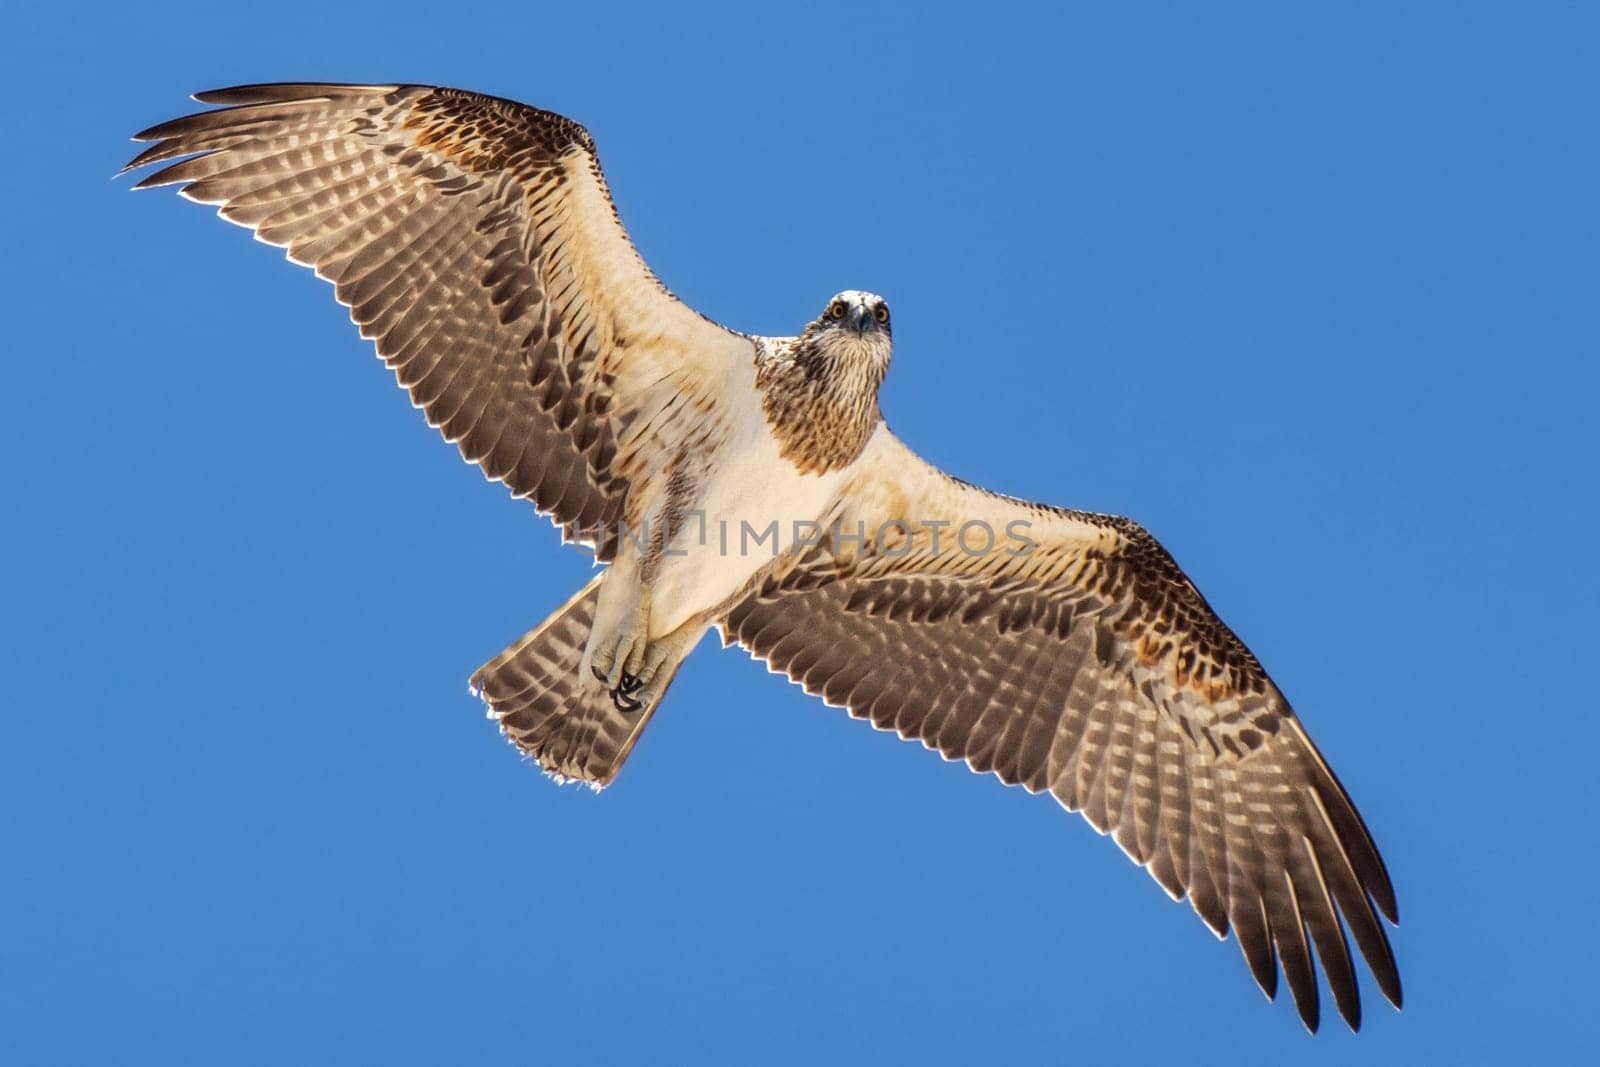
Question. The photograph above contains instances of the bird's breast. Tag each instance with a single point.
(752, 506)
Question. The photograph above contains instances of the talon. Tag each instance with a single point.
(622, 697)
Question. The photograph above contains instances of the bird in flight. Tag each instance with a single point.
(750, 484)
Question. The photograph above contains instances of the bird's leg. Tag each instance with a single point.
(633, 668)
(661, 659)
(620, 653)
(616, 649)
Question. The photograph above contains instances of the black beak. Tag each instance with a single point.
(860, 318)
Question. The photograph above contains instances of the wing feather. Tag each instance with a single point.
(475, 242)
(1092, 667)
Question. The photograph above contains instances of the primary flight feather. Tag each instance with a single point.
(750, 484)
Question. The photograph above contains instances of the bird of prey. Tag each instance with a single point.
(750, 484)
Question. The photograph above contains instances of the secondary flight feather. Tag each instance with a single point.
(750, 484)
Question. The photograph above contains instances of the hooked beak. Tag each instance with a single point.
(860, 319)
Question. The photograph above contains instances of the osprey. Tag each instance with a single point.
(750, 484)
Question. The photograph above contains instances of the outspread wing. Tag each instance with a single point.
(475, 242)
(1067, 652)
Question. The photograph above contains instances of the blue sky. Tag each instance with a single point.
(1311, 295)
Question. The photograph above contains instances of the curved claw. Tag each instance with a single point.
(622, 696)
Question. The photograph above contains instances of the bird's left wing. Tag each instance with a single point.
(1067, 652)
(475, 242)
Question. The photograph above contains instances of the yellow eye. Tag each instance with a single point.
(836, 310)
(881, 313)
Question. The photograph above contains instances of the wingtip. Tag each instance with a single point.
(1266, 980)
(226, 94)
(1380, 890)
(149, 181)
(284, 92)
(138, 162)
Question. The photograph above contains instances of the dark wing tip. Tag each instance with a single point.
(1390, 987)
(1381, 888)
(1387, 902)
(178, 137)
(154, 154)
(1349, 1003)
(282, 92)
(1352, 831)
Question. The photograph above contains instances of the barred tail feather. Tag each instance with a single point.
(566, 722)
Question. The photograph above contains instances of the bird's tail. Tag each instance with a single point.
(568, 723)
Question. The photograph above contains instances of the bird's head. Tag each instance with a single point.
(853, 332)
(858, 315)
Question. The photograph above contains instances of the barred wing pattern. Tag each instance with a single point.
(475, 242)
(1090, 667)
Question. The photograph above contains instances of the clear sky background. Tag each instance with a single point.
(1312, 296)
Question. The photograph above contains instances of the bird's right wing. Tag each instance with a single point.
(475, 241)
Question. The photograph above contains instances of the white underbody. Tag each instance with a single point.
(730, 533)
